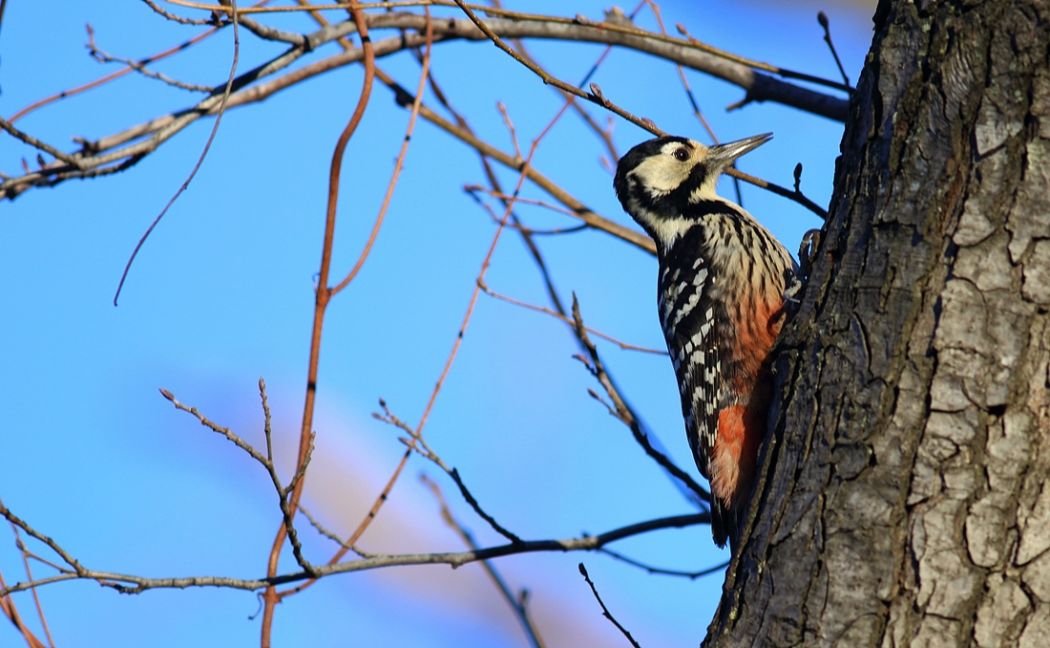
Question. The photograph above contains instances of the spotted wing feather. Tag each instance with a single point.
(690, 320)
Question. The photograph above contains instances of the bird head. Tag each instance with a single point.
(658, 179)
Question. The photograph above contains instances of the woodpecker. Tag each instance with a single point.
(721, 290)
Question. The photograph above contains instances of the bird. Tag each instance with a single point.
(723, 292)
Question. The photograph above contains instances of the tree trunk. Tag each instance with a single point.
(904, 497)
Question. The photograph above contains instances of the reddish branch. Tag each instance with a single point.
(65, 94)
(323, 295)
(416, 104)
(8, 608)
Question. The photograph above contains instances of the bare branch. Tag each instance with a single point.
(398, 164)
(608, 23)
(322, 296)
(267, 422)
(75, 566)
(225, 432)
(594, 96)
(759, 86)
(562, 318)
(605, 611)
(420, 445)
(71, 160)
(331, 535)
(13, 614)
(104, 157)
(179, 19)
(10, 610)
(200, 160)
(65, 94)
(102, 56)
(822, 18)
(132, 584)
(621, 411)
(516, 604)
(283, 493)
(662, 571)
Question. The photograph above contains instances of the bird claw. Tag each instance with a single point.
(794, 281)
(807, 252)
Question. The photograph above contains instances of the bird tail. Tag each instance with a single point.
(723, 522)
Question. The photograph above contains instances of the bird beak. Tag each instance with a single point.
(723, 155)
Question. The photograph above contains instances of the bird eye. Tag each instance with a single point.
(681, 154)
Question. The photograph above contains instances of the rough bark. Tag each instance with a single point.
(905, 497)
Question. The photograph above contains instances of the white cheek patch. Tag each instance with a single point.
(661, 174)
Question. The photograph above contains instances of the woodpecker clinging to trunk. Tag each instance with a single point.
(721, 293)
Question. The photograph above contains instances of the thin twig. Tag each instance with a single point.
(223, 431)
(200, 160)
(331, 535)
(516, 604)
(693, 103)
(549, 231)
(562, 318)
(822, 18)
(29, 575)
(417, 443)
(604, 134)
(184, 21)
(605, 611)
(417, 433)
(266, 462)
(510, 128)
(267, 422)
(102, 56)
(10, 610)
(521, 200)
(796, 196)
(516, 223)
(362, 526)
(622, 412)
(594, 96)
(662, 571)
(67, 558)
(417, 102)
(266, 32)
(40, 145)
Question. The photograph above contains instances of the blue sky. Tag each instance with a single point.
(222, 295)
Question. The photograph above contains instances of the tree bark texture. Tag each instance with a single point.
(904, 498)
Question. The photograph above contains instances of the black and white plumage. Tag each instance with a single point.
(720, 294)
